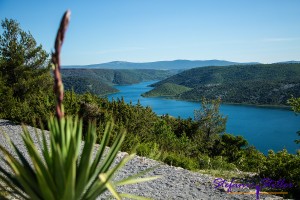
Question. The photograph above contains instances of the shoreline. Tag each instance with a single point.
(285, 107)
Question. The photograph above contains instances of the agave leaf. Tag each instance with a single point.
(61, 135)
(94, 172)
(9, 182)
(44, 186)
(111, 155)
(16, 167)
(84, 164)
(46, 183)
(77, 135)
(95, 189)
(70, 162)
(8, 175)
(69, 188)
(98, 187)
(30, 173)
(18, 170)
(107, 162)
(59, 176)
(20, 155)
(3, 191)
(139, 180)
(47, 152)
(131, 196)
(104, 142)
(109, 186)
(71, 156)
(121, 164)
(37, 136)
(135, 178)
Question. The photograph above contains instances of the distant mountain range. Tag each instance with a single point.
(159, 65)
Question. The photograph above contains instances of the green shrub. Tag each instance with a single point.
(180, 160)
(204, 162)
(251, 160)
(282, 165)
(150, 150)
(217, 163)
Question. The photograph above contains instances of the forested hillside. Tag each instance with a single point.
(100, 81)
(167, 90)
(271, 84)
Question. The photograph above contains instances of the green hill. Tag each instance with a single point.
(82, 85)
(167, 89)
(271, 84)
(101, 81)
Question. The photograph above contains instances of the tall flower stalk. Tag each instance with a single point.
(58, 84)
(60, 166)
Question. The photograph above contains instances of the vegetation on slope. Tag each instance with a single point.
(100, 81)
(82, 85)
(25, 82)
(167, 90)
(271, 84)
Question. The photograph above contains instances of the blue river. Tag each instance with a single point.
(264, 128)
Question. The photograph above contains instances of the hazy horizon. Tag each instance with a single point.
(177, 60)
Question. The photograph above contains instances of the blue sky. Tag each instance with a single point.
(152, 30)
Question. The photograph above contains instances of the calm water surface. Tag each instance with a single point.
(265, 128)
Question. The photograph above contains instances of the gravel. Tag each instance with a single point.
(175, 183)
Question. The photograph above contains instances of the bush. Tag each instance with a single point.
(150, 150)
(217, 163)
(282, 165)
(251, 160)
(25, 80)
(180, 160)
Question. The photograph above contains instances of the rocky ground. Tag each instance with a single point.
(175, 183)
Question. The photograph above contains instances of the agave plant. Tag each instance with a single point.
(58, 166)
(57, 169)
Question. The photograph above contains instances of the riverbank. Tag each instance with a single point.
(225, 103)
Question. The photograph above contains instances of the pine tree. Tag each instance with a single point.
(295, 103)
(25, 74)
(211, 122)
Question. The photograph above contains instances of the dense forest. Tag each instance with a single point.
(263, 84)
(167, 90)
(101, 81)
(201, 143)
